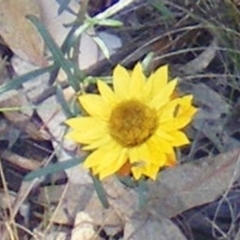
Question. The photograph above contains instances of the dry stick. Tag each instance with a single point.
(22, 162)
(26, 230)
(10, 226)
(25, 189)
(224, 197)
(56, 209)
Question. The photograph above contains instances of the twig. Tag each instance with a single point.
(10, 225)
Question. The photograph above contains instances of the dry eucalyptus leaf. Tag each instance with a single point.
(199, 63)
(193, 183)
(179, 188)
(16, 99)
(18, 32)
(3, 71)
(123, 200)
(108, 219)
(152, 228)
(74, 198)
(20, 112)
(210, 119)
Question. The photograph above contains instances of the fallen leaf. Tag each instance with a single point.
(210, 119)
(193, 183)
(152, 228)
(19, 33)
(18, 111)
(199, 63)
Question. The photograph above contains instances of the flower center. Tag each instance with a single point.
(132, 123)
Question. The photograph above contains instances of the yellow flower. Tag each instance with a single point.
(136, 125)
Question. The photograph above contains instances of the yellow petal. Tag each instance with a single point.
(89, 135)
(185, 103)
(165, 145)
(163, 95)
(180, 138)
(106, 154)
(157, 80)
(139, 154)
(114, 167)
(171, 160)
(157, 156)
(97, 143)
(151, 171)
(167, 112)
(121, 81)
(188, 113)
(106, 92)
(175, 124)
(95, 106)
(137, 83)
(95, 158)
(137, 172)
(113, 151)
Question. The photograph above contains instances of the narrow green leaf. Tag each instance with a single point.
(57, 54)
(160, 6)
(53, 168)
(142, 193)
(77, 32)
(18, 81)
(146, 63)
(128, 181)
(110, 23)
(102, 46)
(10, 109)
(100, 192)
(63, 102)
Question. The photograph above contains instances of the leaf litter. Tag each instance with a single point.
(194, 182)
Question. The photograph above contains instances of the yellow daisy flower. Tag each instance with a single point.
(135, 126)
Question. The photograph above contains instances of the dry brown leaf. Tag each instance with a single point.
(199, 63)
(3, 71)
(18, 32)
(193, 184)
(180, 188)
(73, 197)
(20, 116)
(152, 228)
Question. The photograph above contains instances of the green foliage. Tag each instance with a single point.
(18, 81)
(100, 191)
(63, 102)
(53, 168)
(58, 56)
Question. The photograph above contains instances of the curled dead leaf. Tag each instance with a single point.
(19, 33)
